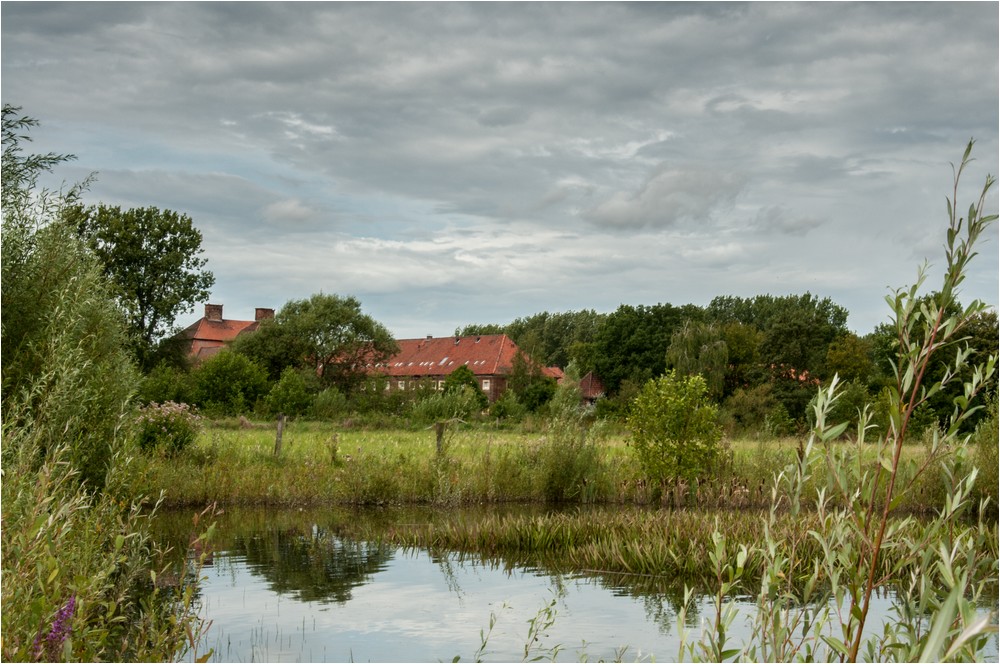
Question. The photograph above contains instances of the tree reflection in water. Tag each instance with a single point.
(312, 565)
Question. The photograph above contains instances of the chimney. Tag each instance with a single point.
(213, 312)
(429, 337)
(262, 314)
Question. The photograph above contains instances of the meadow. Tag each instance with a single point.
(324, 463)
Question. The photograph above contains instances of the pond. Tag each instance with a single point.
(291, 586)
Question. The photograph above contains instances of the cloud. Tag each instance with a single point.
(669, 197)
(483, 163)
(778, 219)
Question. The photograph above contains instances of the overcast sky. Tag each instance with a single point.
(451, 163)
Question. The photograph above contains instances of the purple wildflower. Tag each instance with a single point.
(50, 648)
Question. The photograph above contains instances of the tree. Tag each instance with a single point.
(632, 342)
(698, 348)
(674, 429)
(152, 256)
(328, 334)
(850, 357)
(463, 377)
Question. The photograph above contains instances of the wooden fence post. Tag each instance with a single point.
(439, 432)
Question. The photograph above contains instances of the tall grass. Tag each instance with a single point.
(321, 463)
(937, 572)
(78, 565)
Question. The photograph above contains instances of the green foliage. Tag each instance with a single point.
(76, 555)
(460, 402)
(532, 388)
(850, 357)
(463, 377)
(749, 409)
(327, 333)
(631, 342)
(64, 364)
(508, 407)
(165, 383)
(229, 384)
(674, 430)
(853, 499)
(168, 427)
(700, 349)
(547, 338)
(986, 442)
(152, 257)
(292, 394)
(329, 404)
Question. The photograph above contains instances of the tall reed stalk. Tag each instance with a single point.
(823, 615)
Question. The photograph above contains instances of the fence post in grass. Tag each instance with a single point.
(439, 432)
(277, 439)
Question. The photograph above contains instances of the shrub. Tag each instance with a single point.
(170, 427)
(987, 457)
(569, 461)
(508, 407)
(290, 395)
(229, 384)
(749, 407)
(165, 383)
(463, 377)
(462, 403)
(674, 430)
(329, 404)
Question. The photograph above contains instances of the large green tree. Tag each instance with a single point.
(632, 342)
(153, 257)
(327, 333)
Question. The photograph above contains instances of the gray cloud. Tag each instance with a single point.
(394, 149)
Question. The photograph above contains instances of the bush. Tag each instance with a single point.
(674, 430)
(987, 457)
(329, 404)
(291, 395)
(508, 407)
(463, 377)
(750, 407)
(170, 427)
(462, 403)
(165, 383)
(229, 384)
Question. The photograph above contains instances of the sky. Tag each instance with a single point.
(458, 163)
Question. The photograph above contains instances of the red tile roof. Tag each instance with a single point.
(485, 355)
(591, 386)
(208, 336)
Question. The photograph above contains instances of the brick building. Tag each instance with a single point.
(431, 359)
(212, 332)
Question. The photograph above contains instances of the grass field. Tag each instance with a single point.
(321, 463)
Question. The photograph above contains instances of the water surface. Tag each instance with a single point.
(291, 586)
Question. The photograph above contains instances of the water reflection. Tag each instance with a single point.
(294, 585)
(311, 566)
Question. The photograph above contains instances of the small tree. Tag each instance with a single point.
(463, 377)
(229, 384)
(293, 394)
(674, 428)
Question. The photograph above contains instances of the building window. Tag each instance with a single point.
(440, 385)
(486, 385)
(401, 384)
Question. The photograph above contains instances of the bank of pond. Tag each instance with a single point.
(509, 583)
